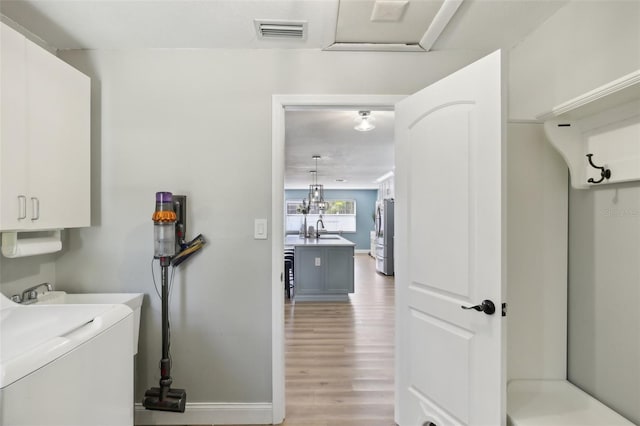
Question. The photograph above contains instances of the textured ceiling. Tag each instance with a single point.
(357, 157)
(134, 24)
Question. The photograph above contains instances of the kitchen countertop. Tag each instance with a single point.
(324, 240)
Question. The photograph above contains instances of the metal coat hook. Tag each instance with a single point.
(604, 172)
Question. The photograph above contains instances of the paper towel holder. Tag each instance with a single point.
(12, 246)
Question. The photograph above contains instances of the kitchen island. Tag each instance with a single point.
(323, 267)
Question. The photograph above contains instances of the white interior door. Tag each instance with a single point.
(450, 221)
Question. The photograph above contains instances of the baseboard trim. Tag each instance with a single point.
(208, 413)
(321, 297)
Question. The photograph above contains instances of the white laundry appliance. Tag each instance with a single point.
(66, 365)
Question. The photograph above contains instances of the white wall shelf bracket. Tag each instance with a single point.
(603, 123)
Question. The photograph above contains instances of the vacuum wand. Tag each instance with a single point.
(165, 362)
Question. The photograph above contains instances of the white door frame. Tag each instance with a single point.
(279, 103)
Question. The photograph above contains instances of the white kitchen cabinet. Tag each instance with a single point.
(44, 139)
(386, 189)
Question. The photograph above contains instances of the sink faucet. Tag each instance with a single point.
(30, 295)
(319, 222)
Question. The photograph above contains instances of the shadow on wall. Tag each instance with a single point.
(20, 273)
(604, 272)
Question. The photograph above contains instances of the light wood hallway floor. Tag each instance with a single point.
(339, 356)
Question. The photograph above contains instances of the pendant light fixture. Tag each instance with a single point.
(364, 121)
(316, 190)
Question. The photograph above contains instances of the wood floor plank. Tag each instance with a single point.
(340, 356)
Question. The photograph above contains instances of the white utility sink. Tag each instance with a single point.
(132, 300)
(329, 237)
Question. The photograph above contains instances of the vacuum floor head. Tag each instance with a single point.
(189, 248)
(175, 400)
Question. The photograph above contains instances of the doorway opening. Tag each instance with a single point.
(280, 104)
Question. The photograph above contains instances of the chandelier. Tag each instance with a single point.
(316, 190)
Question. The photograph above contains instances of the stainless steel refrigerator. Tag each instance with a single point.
(384, 236)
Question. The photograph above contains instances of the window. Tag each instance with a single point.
(339, 216)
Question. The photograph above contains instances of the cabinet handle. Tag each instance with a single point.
(35, 208)
(22, 207)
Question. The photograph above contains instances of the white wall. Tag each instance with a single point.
(537, 217)
(20, 273)
(604, 291)
(198, 122)
(587, 44)
(584, 45)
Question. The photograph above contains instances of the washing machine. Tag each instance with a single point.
(66, 365)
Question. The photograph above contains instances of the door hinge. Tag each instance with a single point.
(504, 309)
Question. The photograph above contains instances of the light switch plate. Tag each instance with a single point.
(260, 229)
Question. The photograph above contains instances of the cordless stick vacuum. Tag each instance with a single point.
(164, 225)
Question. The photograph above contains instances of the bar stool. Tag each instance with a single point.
(289, 272)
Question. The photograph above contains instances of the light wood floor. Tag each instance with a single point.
(339, 356)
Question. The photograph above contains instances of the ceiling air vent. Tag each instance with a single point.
(290, 30)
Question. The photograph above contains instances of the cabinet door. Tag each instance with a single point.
(13, 131)
(59, 141)
(339, 270)
(309, 270)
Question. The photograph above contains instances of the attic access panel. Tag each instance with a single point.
(385, 22)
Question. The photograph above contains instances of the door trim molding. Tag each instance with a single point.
(279, 104)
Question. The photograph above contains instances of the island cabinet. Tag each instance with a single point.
(44, 138)
(323, 269)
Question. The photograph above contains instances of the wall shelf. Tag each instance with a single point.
(604, 122)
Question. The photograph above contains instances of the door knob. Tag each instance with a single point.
(486, 306)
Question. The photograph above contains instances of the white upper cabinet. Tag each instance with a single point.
(45, 139)
(13, 127)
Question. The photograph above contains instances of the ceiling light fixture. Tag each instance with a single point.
(316, 190)
(364, 119)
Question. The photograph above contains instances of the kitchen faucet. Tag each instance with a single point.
(30, 295)
(319, 221)
(305, 231)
